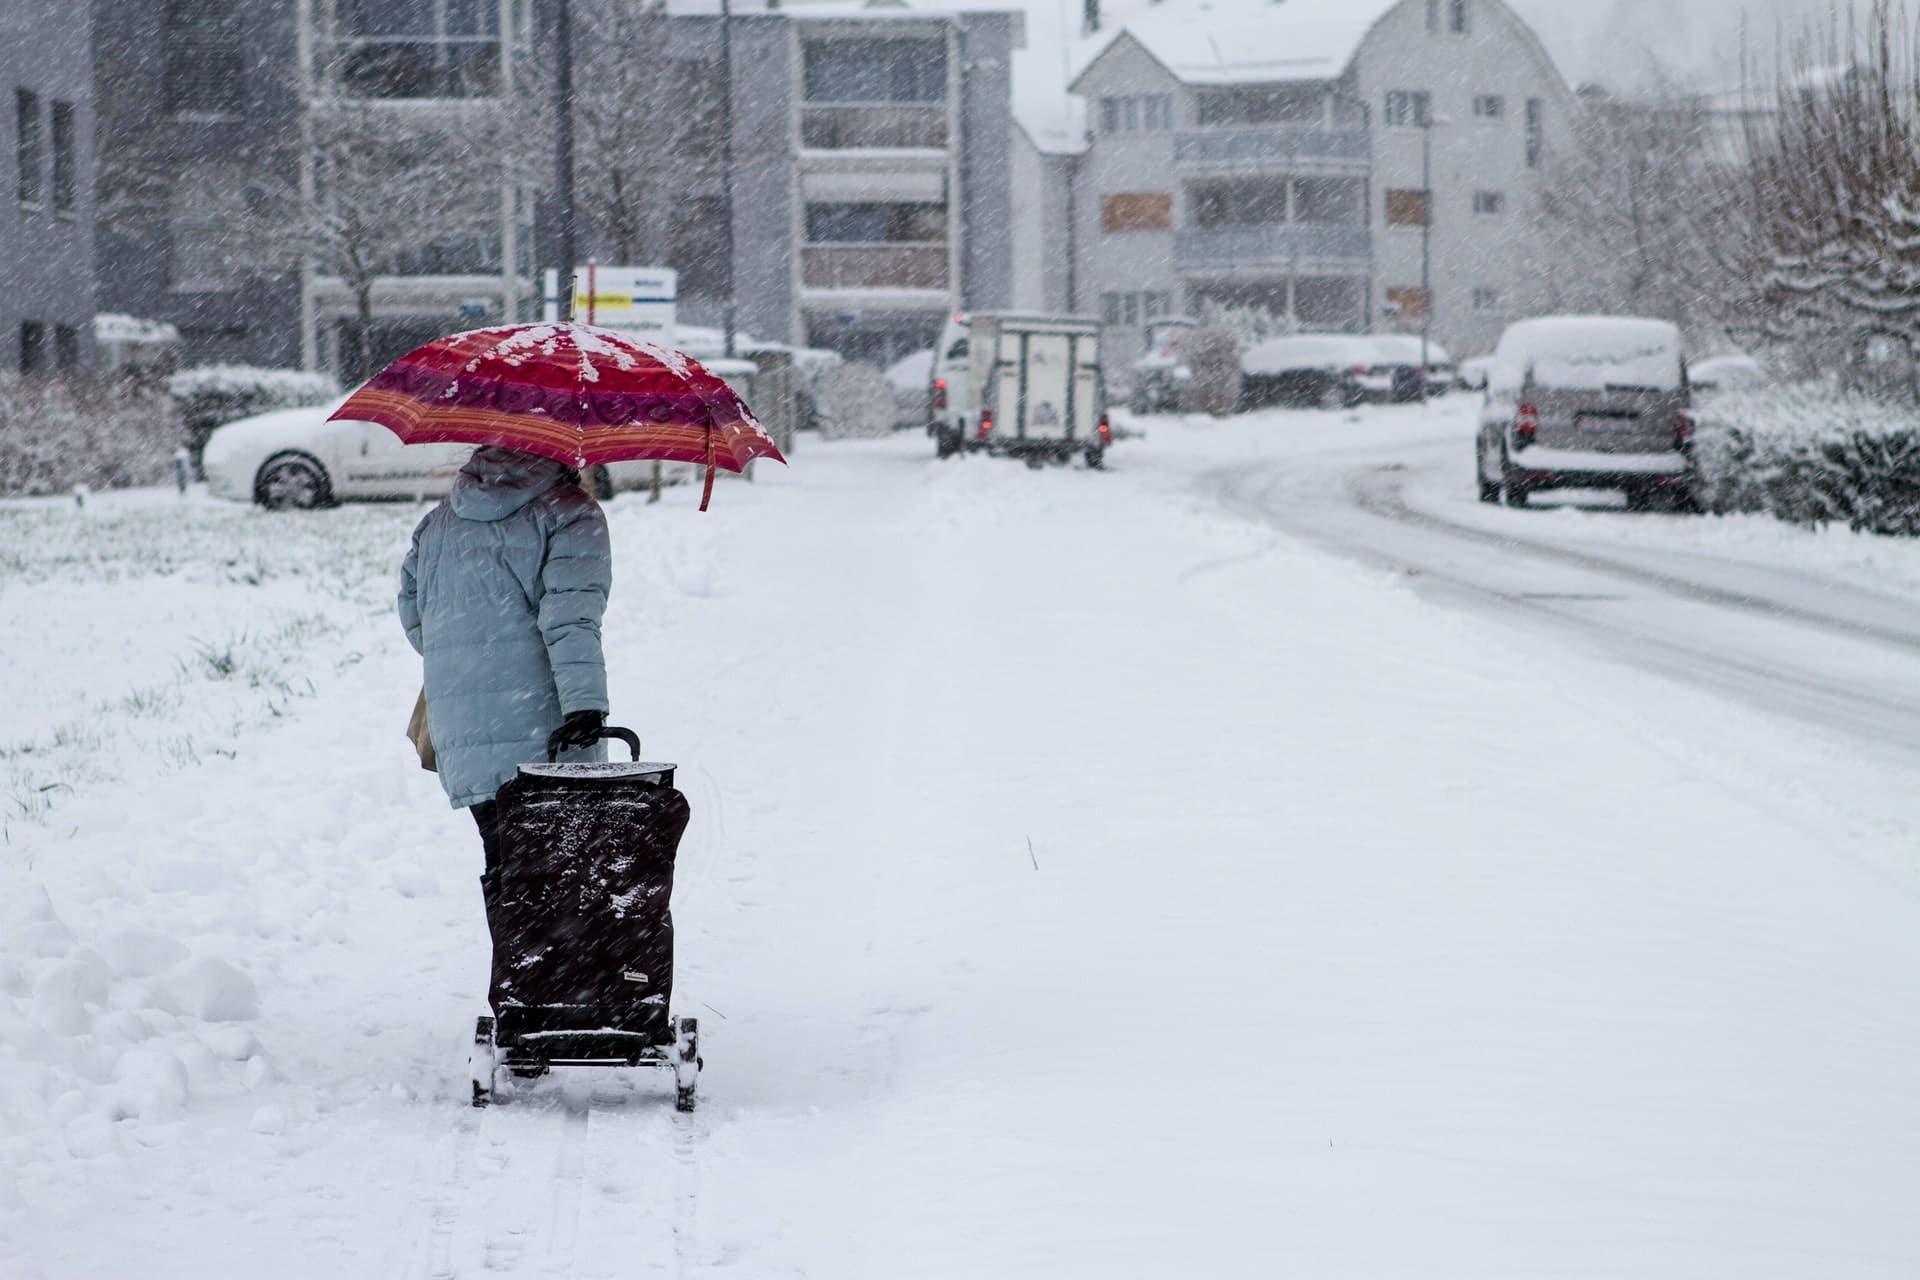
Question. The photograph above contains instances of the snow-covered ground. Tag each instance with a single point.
(1091, 875)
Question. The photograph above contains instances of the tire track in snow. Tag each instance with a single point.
(1828, 699)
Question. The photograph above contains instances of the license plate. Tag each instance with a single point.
(1606, 422)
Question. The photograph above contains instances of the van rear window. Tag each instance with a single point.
(1590, 354)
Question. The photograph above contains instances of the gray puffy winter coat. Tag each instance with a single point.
(502, 593)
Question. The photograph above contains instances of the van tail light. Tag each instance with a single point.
(1360, 371)
(939, 395)
(1106, 430)
(1682, 430)
(1526, 424)
(986, 424)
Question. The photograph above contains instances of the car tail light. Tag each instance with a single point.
(986, 423)
(1526, 423)
(1359, 371)
(1106, 430)
(939, 395)
(1682, 429)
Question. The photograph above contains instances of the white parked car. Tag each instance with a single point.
(1728, 373)
(911, 378)
(296, 458)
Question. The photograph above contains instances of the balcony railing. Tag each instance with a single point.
(844, 126)
(409, 67)
(874, 266)
(1273, 147)
(1297, 244)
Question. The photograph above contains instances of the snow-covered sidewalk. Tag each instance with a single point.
(1084, 881)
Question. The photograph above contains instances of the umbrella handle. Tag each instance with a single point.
(627, 736)
(706, 494)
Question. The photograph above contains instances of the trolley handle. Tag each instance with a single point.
(627, 736)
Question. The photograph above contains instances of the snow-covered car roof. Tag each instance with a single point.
(1588, 353)
(1404, 348)
(1727, 372)
(1303, 351)
(910, 372)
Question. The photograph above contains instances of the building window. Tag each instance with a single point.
(697, 252)
(1457, 16)
(876, 223)
(1278, 105)
(1409, 108)
(209, 206)
(66, 347)
(1536, 114)
(415, 48)
(1408, 304)
(876, 71)
(1486, 299)
(1489, 106)
(1490, 202)
(1138, 211)
(1148, 112)
(1135, 308)
(203, 51)
(1407, 207)
(65, 184)
(33, 346)
(29, 148)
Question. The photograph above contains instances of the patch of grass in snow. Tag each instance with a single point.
(344, 563)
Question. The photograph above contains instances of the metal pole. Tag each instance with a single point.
(726, 166)
(1426, 247)
(563, 162)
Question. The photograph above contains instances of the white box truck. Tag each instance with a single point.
(1027, 386)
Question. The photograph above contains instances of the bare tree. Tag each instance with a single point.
(648, 116)
(1643, 214)
(1840, 177)
(395, 190)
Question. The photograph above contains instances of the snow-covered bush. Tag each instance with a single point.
(1251, 325)
(1810, 453)
(212, 395)
(853, 400)
(104, 433)
(1213, 358)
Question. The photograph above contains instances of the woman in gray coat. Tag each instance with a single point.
(502, 594)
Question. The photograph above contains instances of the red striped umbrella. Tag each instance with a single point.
(571, 392)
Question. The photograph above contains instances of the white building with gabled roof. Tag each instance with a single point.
(1271, 153)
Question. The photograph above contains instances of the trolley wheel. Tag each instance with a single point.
(686, 1062)
(482, 1061)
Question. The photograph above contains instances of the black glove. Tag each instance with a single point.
(580, 729)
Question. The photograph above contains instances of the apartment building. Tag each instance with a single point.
(216, 119)
(903, 187)
(197, 105)
(46, 203)
(1276, 156)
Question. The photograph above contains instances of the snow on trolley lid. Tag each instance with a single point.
(623, 770)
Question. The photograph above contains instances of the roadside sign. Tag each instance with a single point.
(641, 301)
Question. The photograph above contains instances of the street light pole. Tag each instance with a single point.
(1426, 245)
(726, 165)
(563, 163)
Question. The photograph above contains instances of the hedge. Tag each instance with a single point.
(1812, 455)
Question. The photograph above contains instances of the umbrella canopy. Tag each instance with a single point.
(571, 392)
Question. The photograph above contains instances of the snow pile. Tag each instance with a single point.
(265, 388)
(131, 1029)
(853, 400)
(1811, 454)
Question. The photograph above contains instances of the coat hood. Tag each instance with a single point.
(497, 482)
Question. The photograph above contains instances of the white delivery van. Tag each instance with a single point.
(1027, 386)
